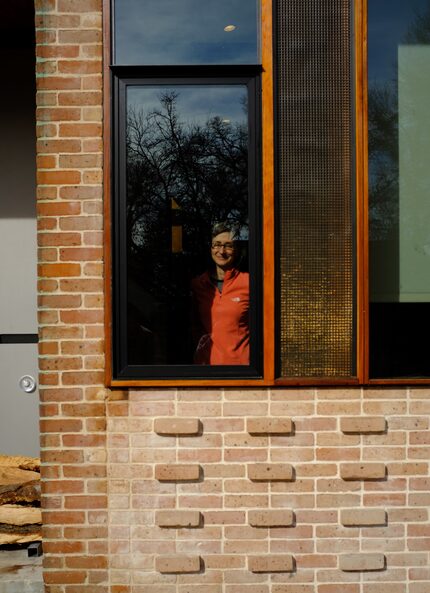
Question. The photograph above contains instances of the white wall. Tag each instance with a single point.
(18, 271)
(414, 173)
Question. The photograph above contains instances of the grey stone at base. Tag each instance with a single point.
(20, 574)
(21, 587)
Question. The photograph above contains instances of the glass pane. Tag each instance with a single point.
(187, 225)
(316, 239)
(186, 32)
(399, 186)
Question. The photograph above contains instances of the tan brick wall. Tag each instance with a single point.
(342, 506)
(196, 491)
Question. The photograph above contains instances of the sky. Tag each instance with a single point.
(196, 103)
(388, 23)
(186, 32)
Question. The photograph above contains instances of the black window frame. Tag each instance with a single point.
(123, 77)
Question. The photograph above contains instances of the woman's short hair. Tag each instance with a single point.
(223, 227)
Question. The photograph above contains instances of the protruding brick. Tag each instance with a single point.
(275, 472)
(278, 518)
(363, 424)
(362, 562)
(177, 472)
(178, 519)
(276, 563)
(363, 471)
(177, 426)
(178, 564)
(356, 517)
(269, 425)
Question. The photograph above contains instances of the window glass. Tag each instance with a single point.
(399, 184)
(186, 171)
(186, 32)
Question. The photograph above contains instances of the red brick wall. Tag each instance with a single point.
(69, 201)
(208, 491)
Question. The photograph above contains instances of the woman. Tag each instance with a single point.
(221, 305)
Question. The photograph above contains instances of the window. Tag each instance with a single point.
(186, 184)
(399, 184)
(277, 121)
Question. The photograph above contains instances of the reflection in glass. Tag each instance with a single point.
(187, 170)
(186, 32)
(399, 185)
(221, 303)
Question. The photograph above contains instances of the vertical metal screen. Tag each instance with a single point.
(314, 188)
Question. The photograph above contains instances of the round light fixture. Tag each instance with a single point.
(229, 28)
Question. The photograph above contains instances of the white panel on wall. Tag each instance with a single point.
(19, 419)
(18, 242)
(414, 173)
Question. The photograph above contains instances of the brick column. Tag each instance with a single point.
(69, 200)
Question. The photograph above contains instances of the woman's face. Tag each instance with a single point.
(223, 250)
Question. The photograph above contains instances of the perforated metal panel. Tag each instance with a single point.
(314, 188)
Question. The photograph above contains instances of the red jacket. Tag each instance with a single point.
(222, 319)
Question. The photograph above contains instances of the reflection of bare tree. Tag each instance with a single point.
(383, 161)
(419, 29)
(384, 141)
(203, 168)
(185, 176)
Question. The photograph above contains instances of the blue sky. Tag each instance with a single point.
(196, 103)
(185, 31)
(388, 22)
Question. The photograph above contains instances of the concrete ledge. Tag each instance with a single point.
(361, 562)
(365, 517)
(270, 472)
(269, 425)
(177, 519)
(363, 471)
(363, 424)
(175, 472)
(275, 518)
(276, 563)
(177, 426)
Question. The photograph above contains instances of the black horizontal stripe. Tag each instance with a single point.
(19, 338)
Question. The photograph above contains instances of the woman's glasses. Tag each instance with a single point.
(226, 246)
